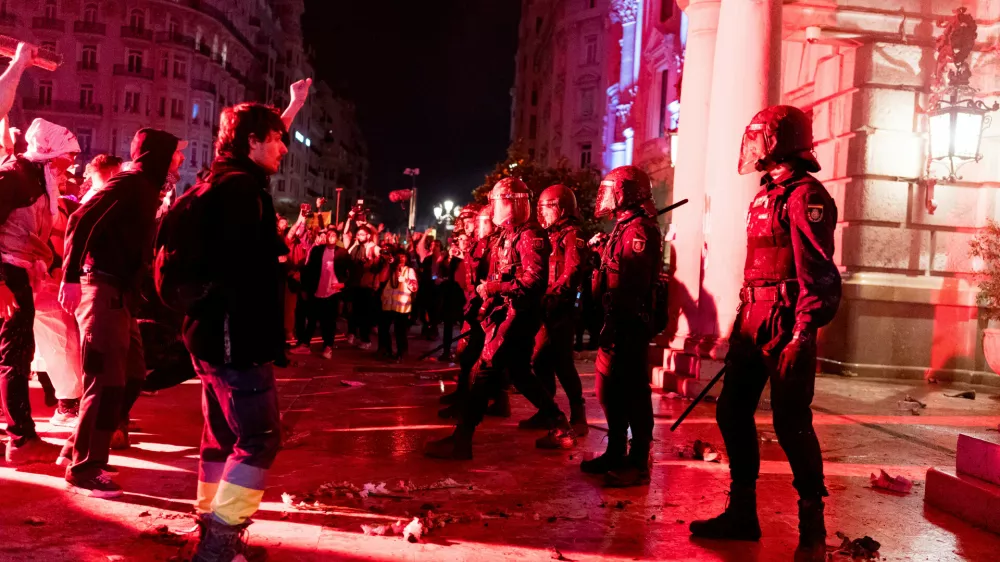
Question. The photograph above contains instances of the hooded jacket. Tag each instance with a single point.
(112, 233)
(25, 220)
(239, 322)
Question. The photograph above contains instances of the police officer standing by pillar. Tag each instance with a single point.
(791, 288)
(630, 264)
(553, 355)
(511, 317)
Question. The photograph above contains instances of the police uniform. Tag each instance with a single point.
(624, 284)
(791, 288)
(553, 353)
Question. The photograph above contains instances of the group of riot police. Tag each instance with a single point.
(525, 276)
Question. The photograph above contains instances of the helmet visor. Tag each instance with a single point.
(605, 199)
(754, 149)
(549, 212)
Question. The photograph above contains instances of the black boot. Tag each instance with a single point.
(578, 419)
(219, 542)
(635, 472)
(612, 459)
(812, 532)
(451, 398)
(457, 446)
(738, 522)
(561, 437)
(452, 412)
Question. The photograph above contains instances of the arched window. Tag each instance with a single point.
(50, 9)
(137, 20)
(90, 13)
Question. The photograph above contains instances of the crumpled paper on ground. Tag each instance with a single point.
(865, 548)
(892, 483)
(699, 451)
(414, 530)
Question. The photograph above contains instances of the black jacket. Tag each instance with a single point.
(314, 268)
(113, 232)
(240, 321)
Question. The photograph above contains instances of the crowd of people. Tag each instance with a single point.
(122, 288)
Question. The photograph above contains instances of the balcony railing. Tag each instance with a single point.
(91, 27)
(122, 70)
(202, 85)
(86, 67)
(8, 20)
(175, 38)
(129, 32)
(46, 23)
(63, 106)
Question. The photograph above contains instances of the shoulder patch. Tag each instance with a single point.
(537, 243)
(638, 245)
(814, 212)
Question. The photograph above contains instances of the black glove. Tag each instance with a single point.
(801, 348)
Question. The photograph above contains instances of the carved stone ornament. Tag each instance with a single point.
(624, 11)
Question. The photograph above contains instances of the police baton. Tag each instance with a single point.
(700, 397)
(440, 347)
(671, 207)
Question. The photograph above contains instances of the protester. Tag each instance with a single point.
(367, 264)
(433, 273)
(29, 183)
(397, 300)
(109, 244)
(323, 281)
(234, 330)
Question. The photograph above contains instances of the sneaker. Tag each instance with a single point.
(365, 346)
(538, 421)
(100, 486)
(107, 469)
(301, 349)
(327, 352)
(67, 413)
(33, 451)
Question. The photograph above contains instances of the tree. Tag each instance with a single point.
(583, 182)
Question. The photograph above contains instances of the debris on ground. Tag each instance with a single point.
(672, 396)
(34, 521)
(704, 451)
(375, 530)
(144, 514)
(846, 373)
(865, 548)
(767, 437)
(912, 405)
(414, 530)
(351, 384)
(295, 439)
(892, 483)
(556, 555)
(164, 535)
(967, 394)
(372, 490)
(115, 558)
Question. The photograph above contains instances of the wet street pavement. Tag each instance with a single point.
(512, 502)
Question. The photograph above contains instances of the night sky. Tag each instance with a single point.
(431, 81)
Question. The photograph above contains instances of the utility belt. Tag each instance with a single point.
(782, 292)
(92, 276)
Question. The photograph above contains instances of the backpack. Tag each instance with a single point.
(180, 260)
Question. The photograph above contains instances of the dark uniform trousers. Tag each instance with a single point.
(553, 357)
(512, 360)
(749, 368)
(623, 384)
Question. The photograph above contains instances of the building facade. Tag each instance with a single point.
(868, 74)
(169, 64)
(557, 110)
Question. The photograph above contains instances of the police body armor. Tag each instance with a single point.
(560, 236)
(630, 309)
(500, 314)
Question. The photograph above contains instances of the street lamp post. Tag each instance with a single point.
(339, 190)
(413, 173)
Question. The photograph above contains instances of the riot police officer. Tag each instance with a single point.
(511, 317)
(481, 226)
(630, 264)
(791, 288)
(553, 354)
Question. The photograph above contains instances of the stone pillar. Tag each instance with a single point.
(746, 78)
(626, 13)
(689, 173)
